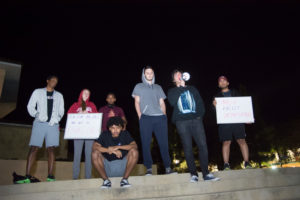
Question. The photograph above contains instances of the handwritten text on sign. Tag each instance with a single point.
(232, 110)
(83, 126)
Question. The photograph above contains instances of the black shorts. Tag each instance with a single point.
(228, 131)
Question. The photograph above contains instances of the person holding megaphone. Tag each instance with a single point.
(187, 116)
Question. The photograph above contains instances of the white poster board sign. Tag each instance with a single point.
(231, 110)
(83, 126)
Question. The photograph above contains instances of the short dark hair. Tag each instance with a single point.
(174, 72)
(112, 94)
(51, 77)
(117, 121)
(148, 67)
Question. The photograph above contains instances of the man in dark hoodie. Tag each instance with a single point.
(228, 131)
(187, 115)
(151, 110)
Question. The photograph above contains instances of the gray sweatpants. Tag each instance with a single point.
(78, 144)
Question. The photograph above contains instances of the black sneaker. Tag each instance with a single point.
(50, 178)
(148, 172)
(106, 184)
(170, 171)
(210, 177)
(18, 179)
(226, 166)
(34, 180)
(124, 183)
(247, 165)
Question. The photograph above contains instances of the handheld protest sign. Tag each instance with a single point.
(231, 110)
(83, 126)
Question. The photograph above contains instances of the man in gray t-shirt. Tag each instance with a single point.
(151, 110)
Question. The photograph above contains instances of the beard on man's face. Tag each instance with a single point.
(149, 79)
(223, 86)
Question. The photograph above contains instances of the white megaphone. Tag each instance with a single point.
(186, 76)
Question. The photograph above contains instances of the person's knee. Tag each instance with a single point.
(96, 154)
(241, 141)
(227, 143)
(33, 149)
(202, 143)
(50, 149)
(134, 153)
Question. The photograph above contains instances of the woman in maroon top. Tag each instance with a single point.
(83, 105)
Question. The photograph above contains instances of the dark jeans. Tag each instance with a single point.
(189, 130)
(158, 125)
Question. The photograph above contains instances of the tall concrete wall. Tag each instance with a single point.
(14, 140)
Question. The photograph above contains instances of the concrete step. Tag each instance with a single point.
(145, 181)
(162, 186)
(275, 193)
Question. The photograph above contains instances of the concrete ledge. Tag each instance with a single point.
(62, 170)
(276, 193)
(250, 184)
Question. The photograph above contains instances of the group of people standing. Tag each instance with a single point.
(115, 153)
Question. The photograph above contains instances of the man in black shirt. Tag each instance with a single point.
(228, 131)
(187, 115)
(49, 104)
(115, 153)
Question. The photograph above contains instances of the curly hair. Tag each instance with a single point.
(117, 121)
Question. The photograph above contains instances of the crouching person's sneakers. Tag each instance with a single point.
(124, 183)
(210, 177)
(106, 184)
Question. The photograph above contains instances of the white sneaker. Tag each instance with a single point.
(194, 179)
(106, 184)
(124, 183)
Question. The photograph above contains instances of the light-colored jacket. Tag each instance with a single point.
(37, 106)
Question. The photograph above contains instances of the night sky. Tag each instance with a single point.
(103, 47)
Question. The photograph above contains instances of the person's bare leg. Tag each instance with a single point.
(132, 159)
(226, 151)
(51, 160)
(98, 161)
(31, 158)
(244, 149)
